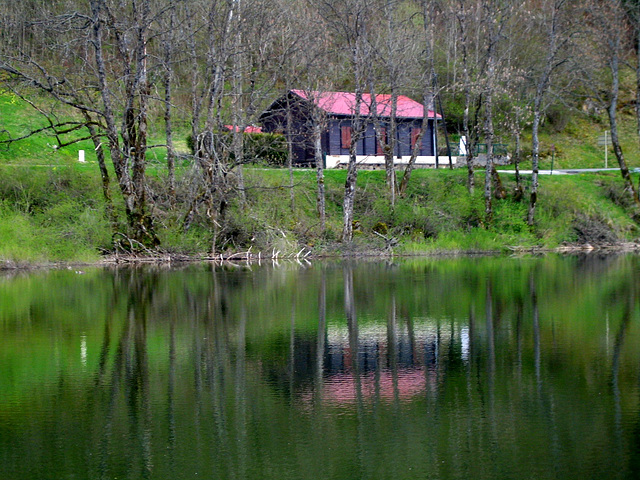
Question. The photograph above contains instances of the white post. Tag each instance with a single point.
(606, 148)
(81, 156)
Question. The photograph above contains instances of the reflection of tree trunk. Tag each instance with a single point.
(319, 421)
(352, 325)
(104, 350)
(536, 337)
(217, 361)
(141, 369)
(322, 327)
(472, 329)
(615, 370)
(491, 371)
(170, 397)
(470, 366)
(519, 315)
(392, 341)
(292, 351)
(545, 405)
(634, 460)
(241, 396)
(491, 351)
(415, 358)
(438, 364)
(118, 362)
(198, 358)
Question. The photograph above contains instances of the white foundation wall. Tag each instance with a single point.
(341, 161)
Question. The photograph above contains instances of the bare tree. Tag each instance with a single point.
(210, 25)
(494, 19)
(393, 48)
(556, 30)
(131, 48)
(111, 92)
(350, 21)
(169, 43)
(604, 49)
(633, 13)
(468, 16)
(428, 87)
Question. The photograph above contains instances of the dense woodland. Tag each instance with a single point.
(135, 75)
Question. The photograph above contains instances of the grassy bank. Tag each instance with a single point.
(52, 207)
(57, 213)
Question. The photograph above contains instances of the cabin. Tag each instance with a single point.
(335, 111)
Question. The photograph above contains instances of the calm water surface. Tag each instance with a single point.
(483, 368)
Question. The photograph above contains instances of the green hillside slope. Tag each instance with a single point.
(52, 207)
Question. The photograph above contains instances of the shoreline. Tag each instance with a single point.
(307, 256)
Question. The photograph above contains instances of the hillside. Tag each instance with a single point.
(52, 207)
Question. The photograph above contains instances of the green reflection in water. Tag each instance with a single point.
(454, 368)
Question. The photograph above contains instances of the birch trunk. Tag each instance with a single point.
(320, 196)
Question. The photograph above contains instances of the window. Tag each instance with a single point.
(345, 136)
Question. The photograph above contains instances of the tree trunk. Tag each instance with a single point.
(386, 137)
(470, 146)
(320, 197)
(428, 92)
(428, 103)
(350, 191)
(352, 171)
(489, 137)
(133, 189)
(535, 159)
(519, 191)
(613, 123)
(292, 198)
(143, 223)
(168, 78)
(104, 174)
(389, 147)
(239, 119)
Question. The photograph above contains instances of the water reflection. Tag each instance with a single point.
(388, 359)
(480, 368)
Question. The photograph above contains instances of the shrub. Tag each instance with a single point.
(258, 148)
(558, 117)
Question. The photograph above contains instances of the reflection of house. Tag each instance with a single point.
(375, 361)
(336, 111)
(348, 388)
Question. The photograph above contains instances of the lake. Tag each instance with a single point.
(475, 367)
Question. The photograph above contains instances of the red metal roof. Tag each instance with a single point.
(247, 129)
(343, 103)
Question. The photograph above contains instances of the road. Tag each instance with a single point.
(566, 171)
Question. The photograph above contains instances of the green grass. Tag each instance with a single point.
(57, 214)
(52, 208)
(576, 146)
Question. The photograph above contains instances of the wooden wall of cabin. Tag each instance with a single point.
(368, 144)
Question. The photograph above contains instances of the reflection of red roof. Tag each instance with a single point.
(343, 103)
(341, 389)
(247, 129)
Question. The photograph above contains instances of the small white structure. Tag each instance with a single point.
(463, 146)
(81, 156)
